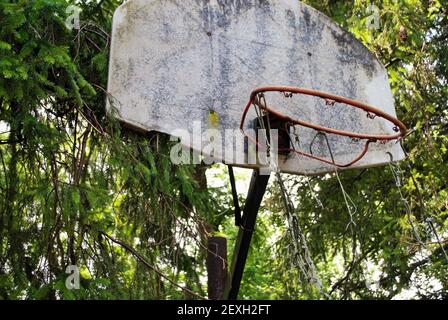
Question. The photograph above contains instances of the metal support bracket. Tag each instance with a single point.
(255, 195)
(235, 197)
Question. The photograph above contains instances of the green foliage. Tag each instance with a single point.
(71, 177)
(69, 174)
(398, 242)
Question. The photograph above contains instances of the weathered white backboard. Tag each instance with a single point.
(177, 64)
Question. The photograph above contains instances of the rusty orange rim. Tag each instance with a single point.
(399, 127)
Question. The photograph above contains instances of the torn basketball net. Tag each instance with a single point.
(266, 115)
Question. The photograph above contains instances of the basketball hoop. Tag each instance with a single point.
(257, 99)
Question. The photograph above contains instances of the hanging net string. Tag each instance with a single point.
(300, 246)
(301, 253)
(351, 209)
(351, 206)
(261, 107)
(261, 110)
(308, 180)
(429, 220)
(398, 175)
(433, 229)
(349, 203)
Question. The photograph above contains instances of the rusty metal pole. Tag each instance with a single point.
(217, 267)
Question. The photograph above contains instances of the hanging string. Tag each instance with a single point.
(306, 173)
(399, 177)
(349, 203)
(397, 173)
(302, 253)
(301, 250)
(433, 229)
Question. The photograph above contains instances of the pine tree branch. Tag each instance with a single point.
(147, 264)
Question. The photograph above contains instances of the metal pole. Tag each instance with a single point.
(255, 195)
(217, 267)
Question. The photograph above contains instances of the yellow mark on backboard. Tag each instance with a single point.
(213, 119)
